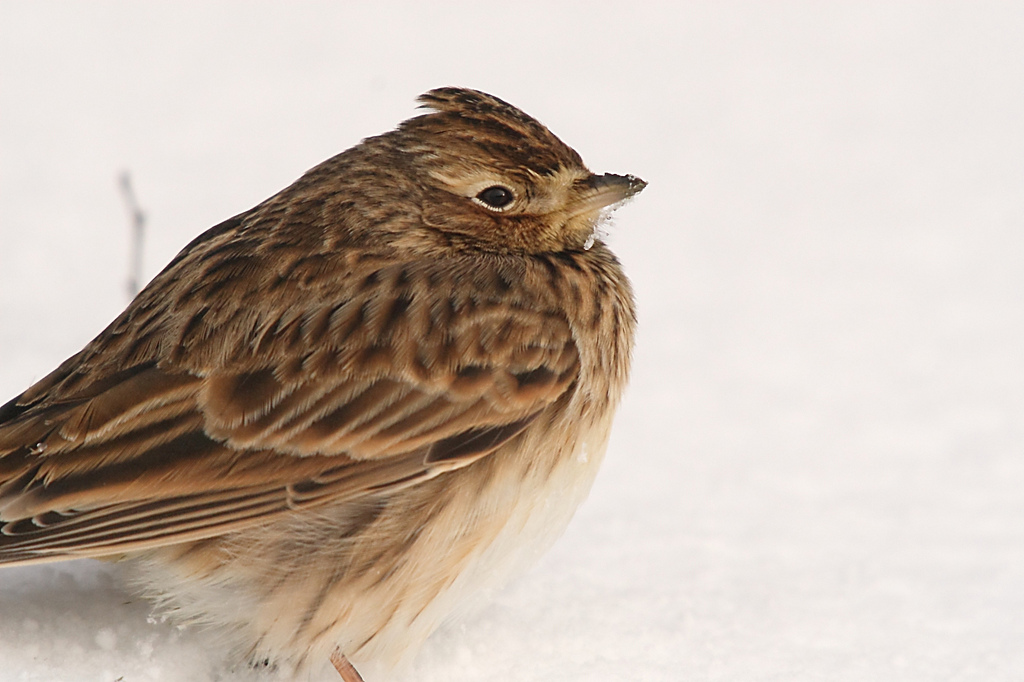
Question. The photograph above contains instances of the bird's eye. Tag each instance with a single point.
(496, 197)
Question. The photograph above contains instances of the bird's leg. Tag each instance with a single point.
(344, 668)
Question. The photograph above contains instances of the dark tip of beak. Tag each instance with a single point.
(624, 185)
(600, 191)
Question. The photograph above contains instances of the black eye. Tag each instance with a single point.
(497, 197)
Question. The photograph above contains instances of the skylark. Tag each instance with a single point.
(334, 416)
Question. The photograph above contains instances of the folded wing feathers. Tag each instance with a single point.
(170, 451)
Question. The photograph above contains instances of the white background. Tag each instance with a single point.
(817, 473)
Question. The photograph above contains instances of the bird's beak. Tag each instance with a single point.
(601, 191)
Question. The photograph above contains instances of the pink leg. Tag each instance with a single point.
(344, 668)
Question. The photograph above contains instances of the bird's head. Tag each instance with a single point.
(494, 177)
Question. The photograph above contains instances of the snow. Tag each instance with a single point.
(817, 471)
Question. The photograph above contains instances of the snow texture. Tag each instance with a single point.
(817, 473)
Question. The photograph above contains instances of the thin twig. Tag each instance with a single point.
(138, 219)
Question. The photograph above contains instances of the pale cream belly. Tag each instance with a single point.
(375, 579)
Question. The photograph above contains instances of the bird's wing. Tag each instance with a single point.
(355, 395)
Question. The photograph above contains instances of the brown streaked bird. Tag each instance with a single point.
(334, 416)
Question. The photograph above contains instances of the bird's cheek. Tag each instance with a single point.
(460, 220)
(578, 228)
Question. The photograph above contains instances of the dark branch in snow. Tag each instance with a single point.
(138, 219)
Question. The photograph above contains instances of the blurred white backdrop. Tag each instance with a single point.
(817, 472)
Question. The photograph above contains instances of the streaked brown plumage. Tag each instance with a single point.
(333, 416)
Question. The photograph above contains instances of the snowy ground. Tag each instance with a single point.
(817, 473)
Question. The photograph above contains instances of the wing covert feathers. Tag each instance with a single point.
(283, 403)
